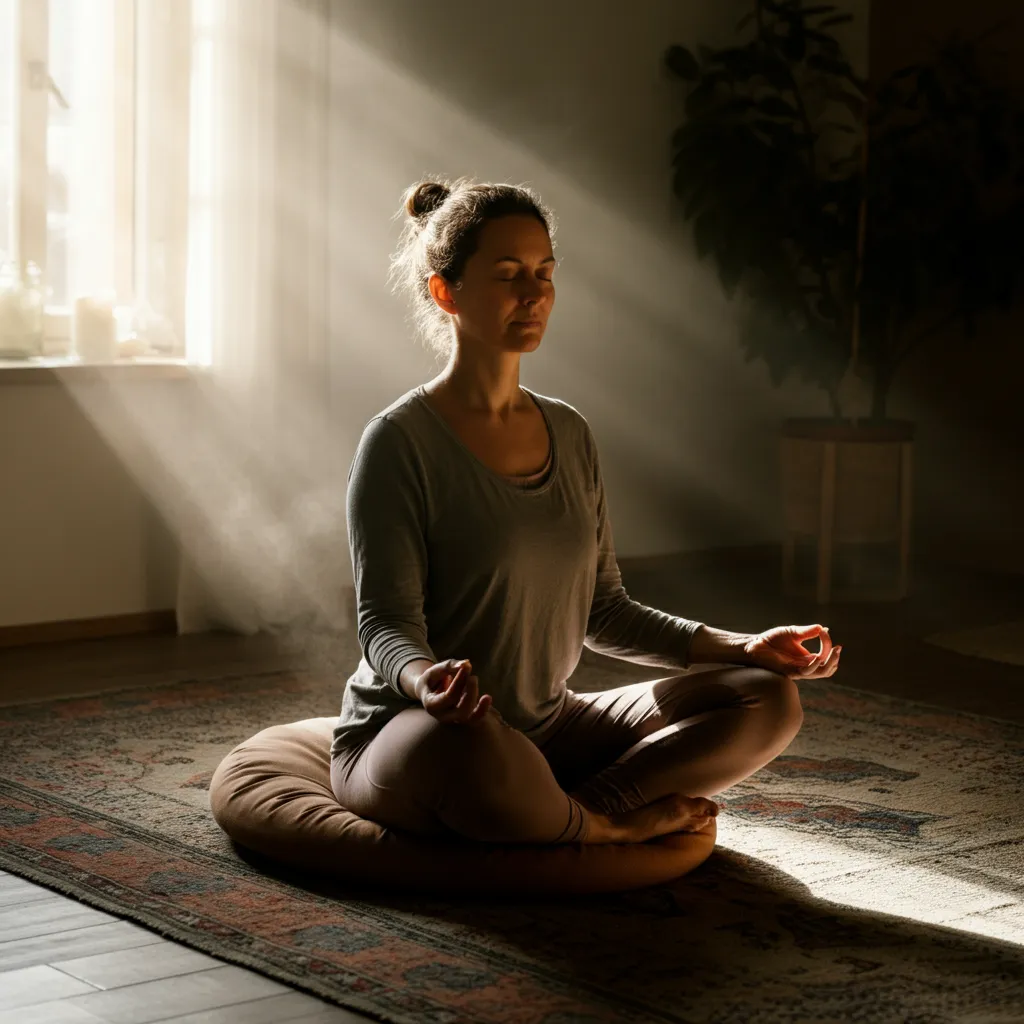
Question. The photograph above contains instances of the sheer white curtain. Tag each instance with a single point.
(263, 543)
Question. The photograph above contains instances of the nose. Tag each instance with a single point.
(532, 296)
(534, 290)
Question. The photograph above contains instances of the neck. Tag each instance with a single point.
(490, 390)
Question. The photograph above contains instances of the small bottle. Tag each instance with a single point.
(17, 339)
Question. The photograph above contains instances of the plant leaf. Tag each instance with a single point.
(840, 126)
(824, 39)
(836, 19)
(794, 45)
(682, 63)
(701, 99)
(775, 106)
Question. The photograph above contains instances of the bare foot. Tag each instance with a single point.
(672, 813)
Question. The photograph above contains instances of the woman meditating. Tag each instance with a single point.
(483, 559)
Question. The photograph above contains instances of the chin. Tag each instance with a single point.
(531, 341)
(527, 337)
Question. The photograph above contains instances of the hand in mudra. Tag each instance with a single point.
(781, 650)
(450, 693)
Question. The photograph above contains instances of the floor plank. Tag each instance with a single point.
(133, 966)
(14, 891)
(293, 1008)
(188, 993)
(44, 917)
(38, 984)
(99, 938)
(74, 668)
(55, 1012)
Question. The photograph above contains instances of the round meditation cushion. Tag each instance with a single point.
(272, 794)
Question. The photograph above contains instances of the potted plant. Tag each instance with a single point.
(854, 229)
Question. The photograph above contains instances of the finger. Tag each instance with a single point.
(808, 669)
(829, 666)
(834, 660)
(480, 711)
(454, 681)
(469, 695)
(449, 696)
(825, 649)
(466, 677)
(814, 659)
(808, 632)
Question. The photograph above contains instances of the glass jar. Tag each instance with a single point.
(21, 312)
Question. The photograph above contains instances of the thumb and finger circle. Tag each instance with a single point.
(457, 701)
(821, 667)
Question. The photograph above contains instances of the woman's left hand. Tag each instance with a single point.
(781, 650)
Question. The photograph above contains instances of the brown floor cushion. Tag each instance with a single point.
(272, 794)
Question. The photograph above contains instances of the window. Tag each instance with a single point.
(82, 193)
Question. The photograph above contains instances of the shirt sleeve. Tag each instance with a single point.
(386, 513)
(618, 626)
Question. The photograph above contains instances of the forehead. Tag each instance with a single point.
(512, 234)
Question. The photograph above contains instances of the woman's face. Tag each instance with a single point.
(506, 282)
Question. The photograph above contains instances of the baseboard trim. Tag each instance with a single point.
(137, 624)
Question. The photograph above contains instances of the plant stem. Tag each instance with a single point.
(923, 335)
(884, 368)
(879, 393)
(817, 262)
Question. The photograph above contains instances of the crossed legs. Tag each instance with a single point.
(612, 751)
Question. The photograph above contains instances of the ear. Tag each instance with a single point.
(442, 293)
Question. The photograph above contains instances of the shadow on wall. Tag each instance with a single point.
(642, 340)
(965, 393)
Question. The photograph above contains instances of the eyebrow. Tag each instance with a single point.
(514, 259)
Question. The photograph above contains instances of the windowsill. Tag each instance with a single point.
(61, 369)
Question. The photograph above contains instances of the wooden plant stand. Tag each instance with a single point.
(845, 483)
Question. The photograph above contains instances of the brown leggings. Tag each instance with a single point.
(615, 750)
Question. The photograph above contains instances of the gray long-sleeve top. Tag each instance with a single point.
(454, 560)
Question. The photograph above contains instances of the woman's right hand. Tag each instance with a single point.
(449, 693)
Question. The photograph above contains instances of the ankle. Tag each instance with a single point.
(604, 828)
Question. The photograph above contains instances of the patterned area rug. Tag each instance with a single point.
(1001, 642)
(873, 872)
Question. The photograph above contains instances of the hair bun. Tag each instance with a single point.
(424, 198)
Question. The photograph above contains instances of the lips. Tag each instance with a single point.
(527, 323)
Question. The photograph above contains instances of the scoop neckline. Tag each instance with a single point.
(519, 488)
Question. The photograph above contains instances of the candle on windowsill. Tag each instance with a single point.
(94, 330)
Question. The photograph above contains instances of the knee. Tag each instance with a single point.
(779, 696)
(467, 753)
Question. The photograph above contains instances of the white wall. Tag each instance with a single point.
(78, 537)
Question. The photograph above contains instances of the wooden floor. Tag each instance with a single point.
(65, 963)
